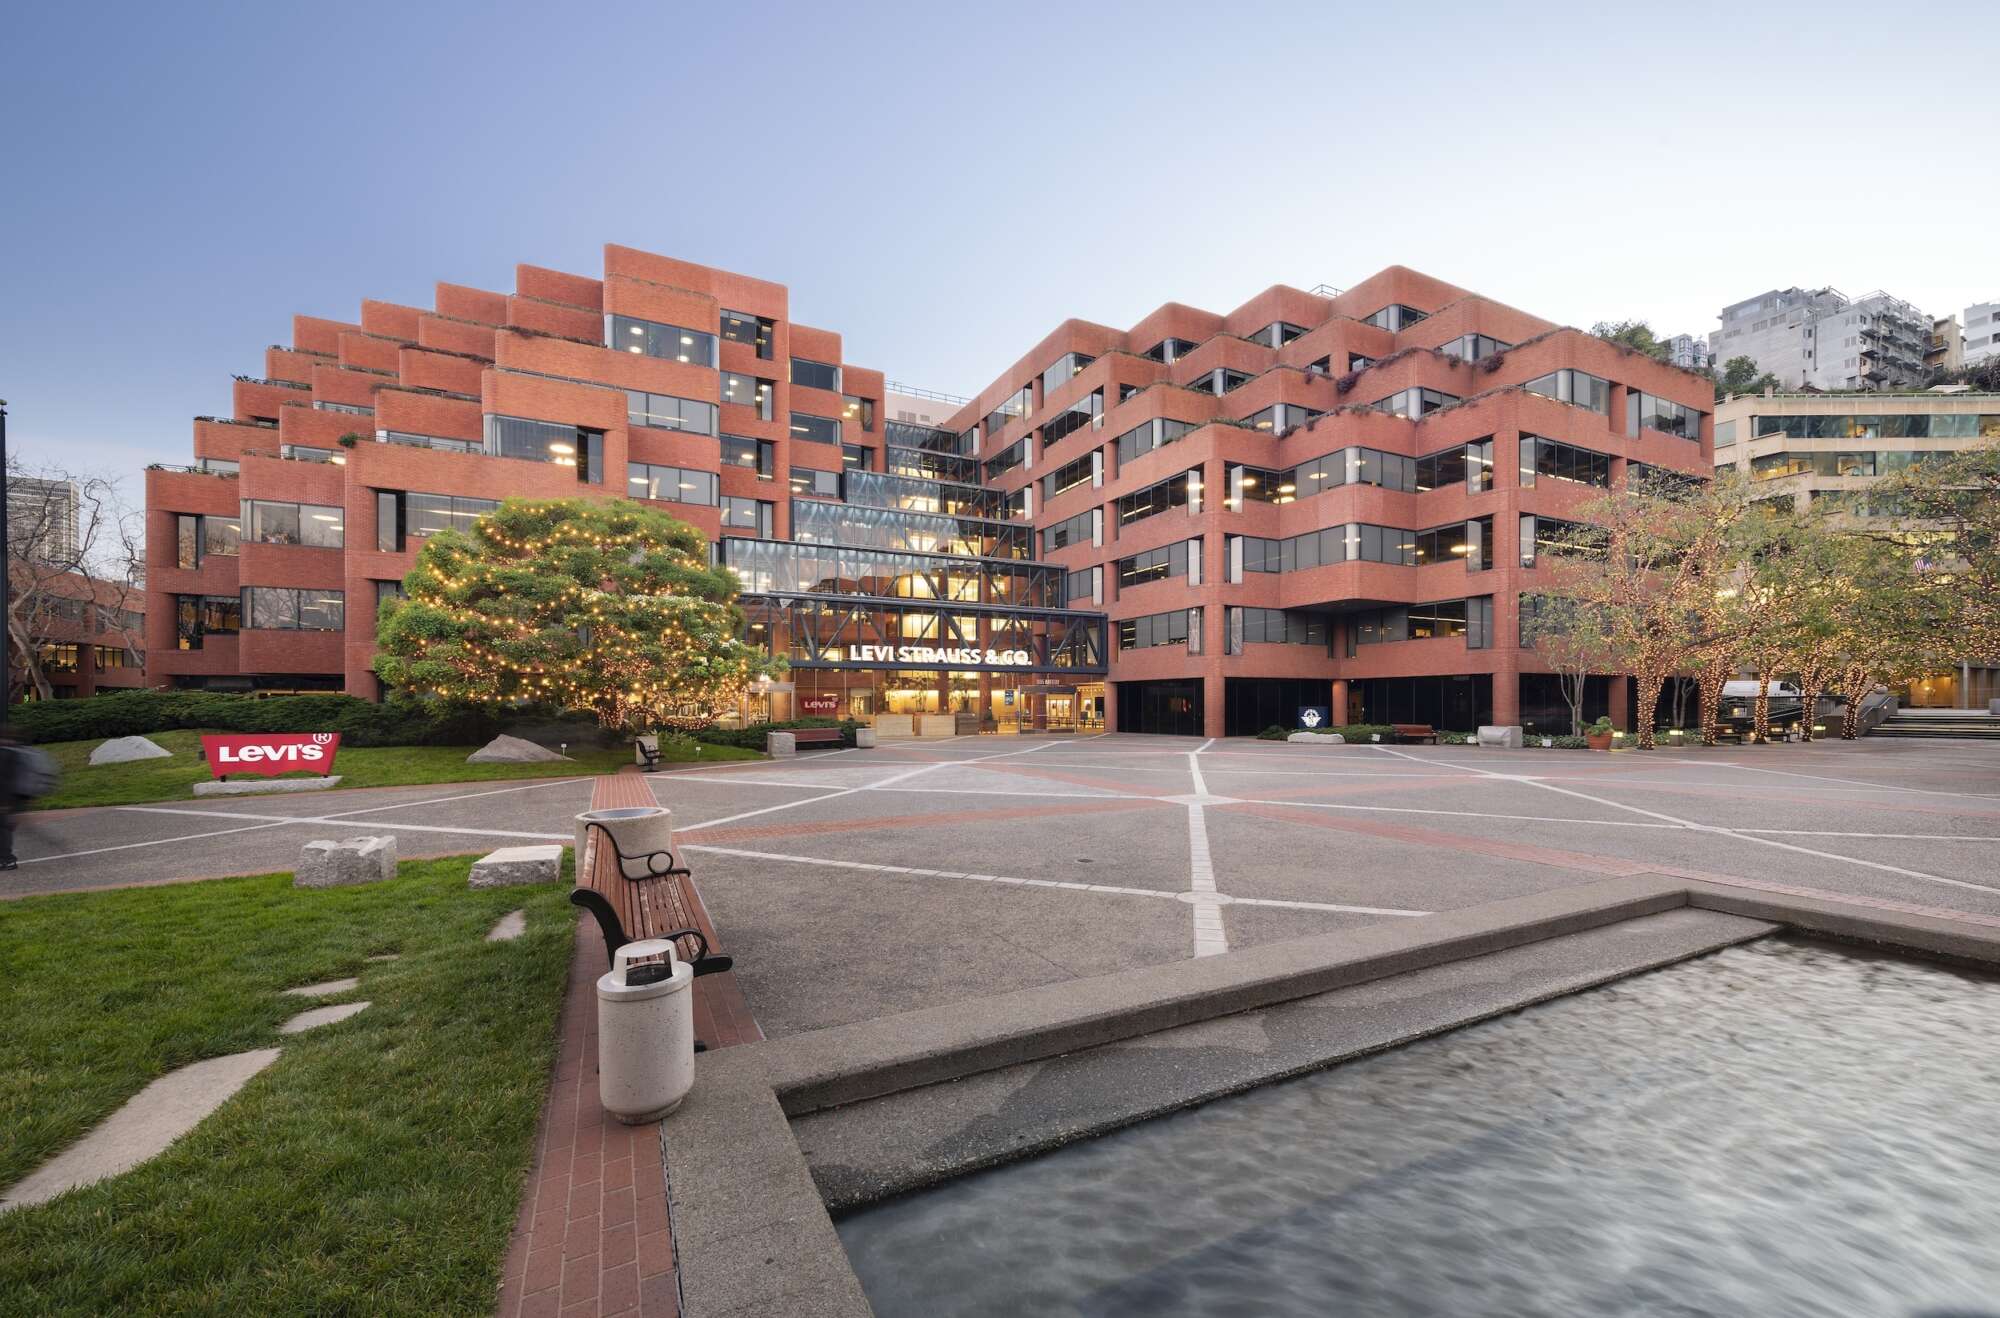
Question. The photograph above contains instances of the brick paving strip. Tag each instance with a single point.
(593, 1236)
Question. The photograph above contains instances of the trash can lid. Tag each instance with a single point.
(609, 989)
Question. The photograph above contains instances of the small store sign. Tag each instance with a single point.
(1314, 716)
(820, 705)
(268, 754)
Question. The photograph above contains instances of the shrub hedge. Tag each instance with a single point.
(359, 722)
(752, 737)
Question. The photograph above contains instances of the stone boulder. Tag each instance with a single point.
(780, 745)
(512, 750)
(1507, 737)
(1324, 738)
(342, 864)
(510, 866)
(124, 750)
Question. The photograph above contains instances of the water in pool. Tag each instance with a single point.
(1779, 1129)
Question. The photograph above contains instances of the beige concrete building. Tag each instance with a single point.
(1818, 448)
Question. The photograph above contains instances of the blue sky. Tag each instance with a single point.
(941, 183)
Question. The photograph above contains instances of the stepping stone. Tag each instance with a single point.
(387, 956)
(326, 990)
(318, 1016)
(340, 864)
(512, 925)
(514, 865)
(141, 1130)
(124, 750)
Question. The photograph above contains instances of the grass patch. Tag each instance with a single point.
(375, 1167)
(359, 766)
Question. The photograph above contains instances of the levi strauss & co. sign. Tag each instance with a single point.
(967, 656)
(269, 754)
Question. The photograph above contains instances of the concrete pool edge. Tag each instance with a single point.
(752, 1233)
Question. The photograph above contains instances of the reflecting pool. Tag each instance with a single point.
(1779, 1129)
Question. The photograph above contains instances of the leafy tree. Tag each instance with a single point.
(1634, 334)
(1572, 643)
(1946, 510)
(1654, 555)
(599, 605)
(1740, 376)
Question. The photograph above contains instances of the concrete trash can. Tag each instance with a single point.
(645, 1033)
(638, 828)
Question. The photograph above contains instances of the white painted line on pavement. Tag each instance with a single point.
(1210, 939)
(356, 824)
(158, 842)
(464, 796)
(1851, 782)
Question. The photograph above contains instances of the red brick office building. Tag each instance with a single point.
(1197, 525)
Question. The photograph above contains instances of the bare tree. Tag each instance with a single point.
(74, 552)
(1572, 643)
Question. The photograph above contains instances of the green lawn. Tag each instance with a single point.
(358, 766)
(374, 1168)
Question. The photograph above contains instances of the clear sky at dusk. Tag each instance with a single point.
(944, 183)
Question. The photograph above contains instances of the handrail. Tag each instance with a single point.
(189, 471)
(1325, 290)
(1877, 707)
(913, 391)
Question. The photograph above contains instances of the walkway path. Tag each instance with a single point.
(593, 1236)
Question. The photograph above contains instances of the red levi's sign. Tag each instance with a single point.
(820, 704)
(269, 754)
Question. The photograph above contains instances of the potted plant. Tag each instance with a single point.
(1599, 734)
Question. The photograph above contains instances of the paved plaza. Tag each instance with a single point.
(858, 883)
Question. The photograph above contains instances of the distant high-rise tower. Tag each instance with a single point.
(42, 519)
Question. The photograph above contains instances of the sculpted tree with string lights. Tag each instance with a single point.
(1946, 510)
(600, 605)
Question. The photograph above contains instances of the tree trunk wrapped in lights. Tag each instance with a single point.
(600, 605)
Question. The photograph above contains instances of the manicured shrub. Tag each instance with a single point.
(359, 722)
(1273, 733)
(752, 737)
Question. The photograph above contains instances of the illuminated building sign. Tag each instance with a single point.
(962, 656)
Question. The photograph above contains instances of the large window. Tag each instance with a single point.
(1564, 462)
(1644, 411)
(1277, 334)
(1473, 347)
(1081, 471)
(1182, 491)
(553, 442)
(1961, 425)
(1469, 618)
(1062, 370)
(1470, 541)
(1007, 459)
(861, 411)
(409, 439)
(1181, 559)
(752, 515)
(1073, 418)
(1414, 402)
(1362, 542)
(815, 375)
(652, 339)
(320, 526)
(1017, 404)
(754, 331)
(1084, 586)
(281, 608)
(1220, 381)
(399, 514)
(751, 392)
(817, 429)
(1181, 627)
(758, 455)
(196, 616)
(645, 480)
(1149, 435)
(202, 536)
(1554, 535)
(1170, 350)
(1078, 530)
(1281, 417)
(1396, 316)
(1577, 387)
(1250, 626)
(816, 483)
(1471, 463)
(666, 412)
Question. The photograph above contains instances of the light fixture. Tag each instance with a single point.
(1288, 489)
(1461, 549)
(633, 348)
(324, 517)
(562, 448)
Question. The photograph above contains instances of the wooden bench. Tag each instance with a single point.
(1414, 733)
(803, 737)
(635, 897)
